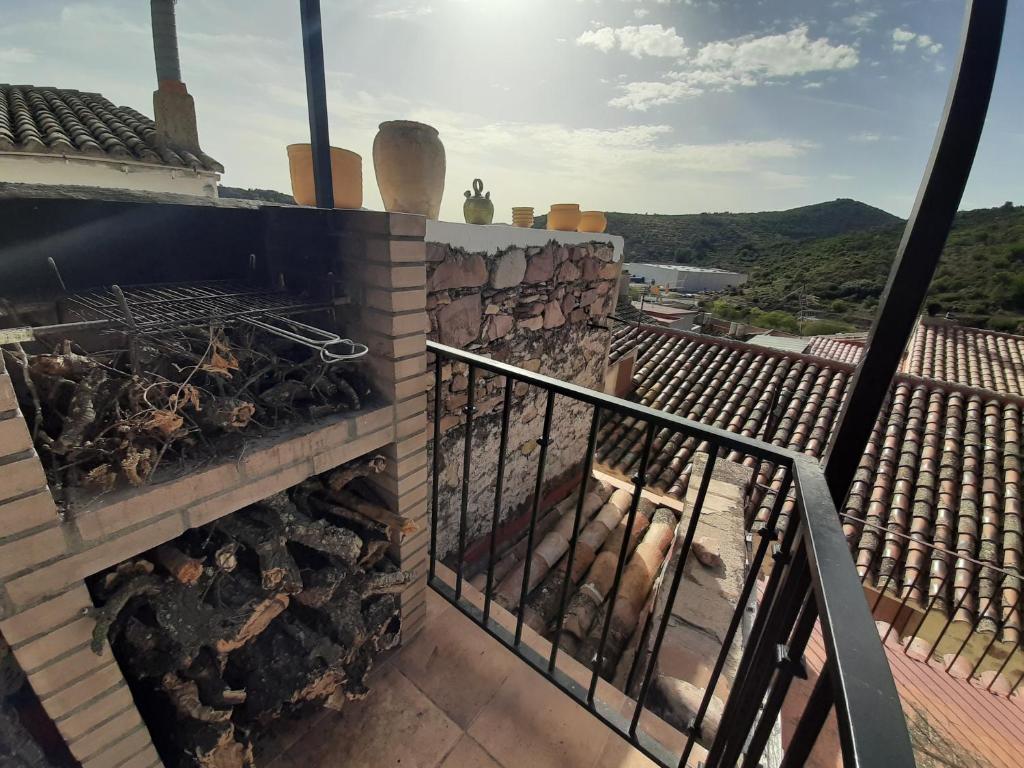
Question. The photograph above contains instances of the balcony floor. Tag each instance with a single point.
(455, 698)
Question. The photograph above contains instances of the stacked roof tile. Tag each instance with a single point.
(941, 471)
(836, 348)
(69, 122)
(970, 356)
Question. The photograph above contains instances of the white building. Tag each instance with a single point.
(687, 279)
(61, 136)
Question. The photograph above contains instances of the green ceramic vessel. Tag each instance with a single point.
(478, 208)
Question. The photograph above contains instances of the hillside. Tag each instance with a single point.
(737, 239)
(266, 195)
(980, 277)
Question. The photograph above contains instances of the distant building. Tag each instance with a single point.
(687, 279)
(61, 136)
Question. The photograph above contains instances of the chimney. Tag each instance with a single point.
(173, 109)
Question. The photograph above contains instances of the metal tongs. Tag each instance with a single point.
(309, 336)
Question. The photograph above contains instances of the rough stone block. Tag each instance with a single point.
(498, 326)
(541, 267)
(509, 269)
(568, 272)
(553, 317)
(532, 323)
(591, 269)
(455, 272)
(458, 323)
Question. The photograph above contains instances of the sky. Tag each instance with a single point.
(650, 106)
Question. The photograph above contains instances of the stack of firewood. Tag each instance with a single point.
(282, 605)
(98, 421)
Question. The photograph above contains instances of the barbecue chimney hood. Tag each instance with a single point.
(174, 111)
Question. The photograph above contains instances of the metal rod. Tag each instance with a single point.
(974, 626)
(903, 604)
(988, 647)
(1016, 685)
(498, 487)
(588, 464)
(923, 239)
(819, 704)
(663, 420)
(638, 487)
(940, 592)
(767, 534)
(316, 101)
(1002, 667)
(952, 613)
(538, 489)
(437, 464)
(780, 687)
(467, 457)
(684, 552)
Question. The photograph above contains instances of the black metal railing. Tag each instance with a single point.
(944, 604)
(811, 586)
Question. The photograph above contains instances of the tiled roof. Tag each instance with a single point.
(942, 465)
(971, 356)
(836, 348)
(69, 122)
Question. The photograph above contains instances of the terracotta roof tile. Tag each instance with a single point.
(836, 348)
(969, 356)
(70, 122)
(940, 473)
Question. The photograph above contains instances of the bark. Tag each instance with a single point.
(371, 512)
(185, 569)
(338, 478)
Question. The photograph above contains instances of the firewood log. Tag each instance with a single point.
(185, 569)
(278, 568)
(373, 512)
(343, 475)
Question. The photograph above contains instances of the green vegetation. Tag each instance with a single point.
(828, 263)
(266, 195)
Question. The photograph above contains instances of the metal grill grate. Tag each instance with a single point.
(153, 308)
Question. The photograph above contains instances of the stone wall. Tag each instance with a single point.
(541, 304)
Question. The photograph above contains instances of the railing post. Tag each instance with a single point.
(316, 101)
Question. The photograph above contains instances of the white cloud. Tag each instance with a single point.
(861, 22)
(640, 12)
(812, 84)
(840, 177)
(741, 62)
(638, 41)
(902, 38)
(405, 13)
(791, 53)
(16, 56)
(866, 137)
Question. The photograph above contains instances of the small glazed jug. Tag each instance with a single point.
(478, 208)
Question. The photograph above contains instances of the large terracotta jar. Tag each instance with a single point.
(409, 161)
(346, 176)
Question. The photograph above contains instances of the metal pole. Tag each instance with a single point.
(923, 239)
(316, 101)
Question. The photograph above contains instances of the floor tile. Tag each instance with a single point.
(530, 724)
(469, 754)
(457, 665)
(396, 725)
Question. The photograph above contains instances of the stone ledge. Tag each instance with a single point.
(492, 238)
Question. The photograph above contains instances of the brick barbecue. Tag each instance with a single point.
(46, 554)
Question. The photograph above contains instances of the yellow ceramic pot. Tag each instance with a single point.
(522, 217)
(564, 217)
(346, 176)
(592, 221)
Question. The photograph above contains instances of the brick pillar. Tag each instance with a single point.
(84, 693)
(388, 281)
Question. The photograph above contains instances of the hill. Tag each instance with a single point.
(980, 276)
(266, 195)
(737, 239)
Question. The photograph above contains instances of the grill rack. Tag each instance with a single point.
(154, 309)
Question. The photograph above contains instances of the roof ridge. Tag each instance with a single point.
(900, 376)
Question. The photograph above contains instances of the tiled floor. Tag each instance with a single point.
(455, 698)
